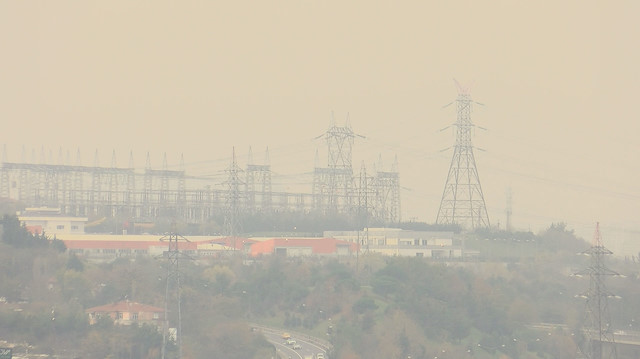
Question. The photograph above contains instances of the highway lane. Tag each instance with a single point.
(308, 348)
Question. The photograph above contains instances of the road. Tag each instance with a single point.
(309, 348)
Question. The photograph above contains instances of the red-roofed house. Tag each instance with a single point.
(302, 247)
(127, 313)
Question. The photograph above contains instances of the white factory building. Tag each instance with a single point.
(399, 242)
(51, 221)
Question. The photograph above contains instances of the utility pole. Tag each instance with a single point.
(600, 343)
(462, 199)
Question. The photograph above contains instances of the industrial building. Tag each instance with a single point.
(50, 221)
(399, 242)
(146, 195)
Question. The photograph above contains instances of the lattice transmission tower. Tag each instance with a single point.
(333, 186)
(462, 199)
(387, 188)
(258, 184)
(234, 201)
(597, 328)
(173, 292)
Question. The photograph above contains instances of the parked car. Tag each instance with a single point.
(297, 346)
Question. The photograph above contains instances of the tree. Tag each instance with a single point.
(220, 278)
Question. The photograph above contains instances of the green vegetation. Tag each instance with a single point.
(368, 307)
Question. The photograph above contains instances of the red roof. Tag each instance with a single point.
(34, 229)
(234, 242)
(317, 245)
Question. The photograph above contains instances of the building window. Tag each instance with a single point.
(134, 316)
(74, 227)
(60, 226)
(156, 316)
(119, 315)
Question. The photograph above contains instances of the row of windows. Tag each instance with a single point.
(406, 242)
(61, 227)
(109, 251)
(133, 316)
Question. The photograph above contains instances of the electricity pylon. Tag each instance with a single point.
(462, 199)
(173, 286)
(234, 201)
(333, 186)
(600, 343)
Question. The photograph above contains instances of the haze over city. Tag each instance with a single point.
(556, 81)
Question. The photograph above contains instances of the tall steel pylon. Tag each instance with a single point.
(387, 188)
(234, 201)
(462, 199)
(600, 343)
(333, 186)
(258, 184)
(173, 287)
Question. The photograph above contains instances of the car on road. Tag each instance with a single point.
(290, 342)
(320, 356)
(297, 346)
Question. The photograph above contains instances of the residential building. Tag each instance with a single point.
(127, 313)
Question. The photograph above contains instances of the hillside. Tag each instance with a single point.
(368, 307)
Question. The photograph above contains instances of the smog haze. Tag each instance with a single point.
(557, 84)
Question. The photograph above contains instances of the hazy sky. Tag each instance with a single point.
(559, 81)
